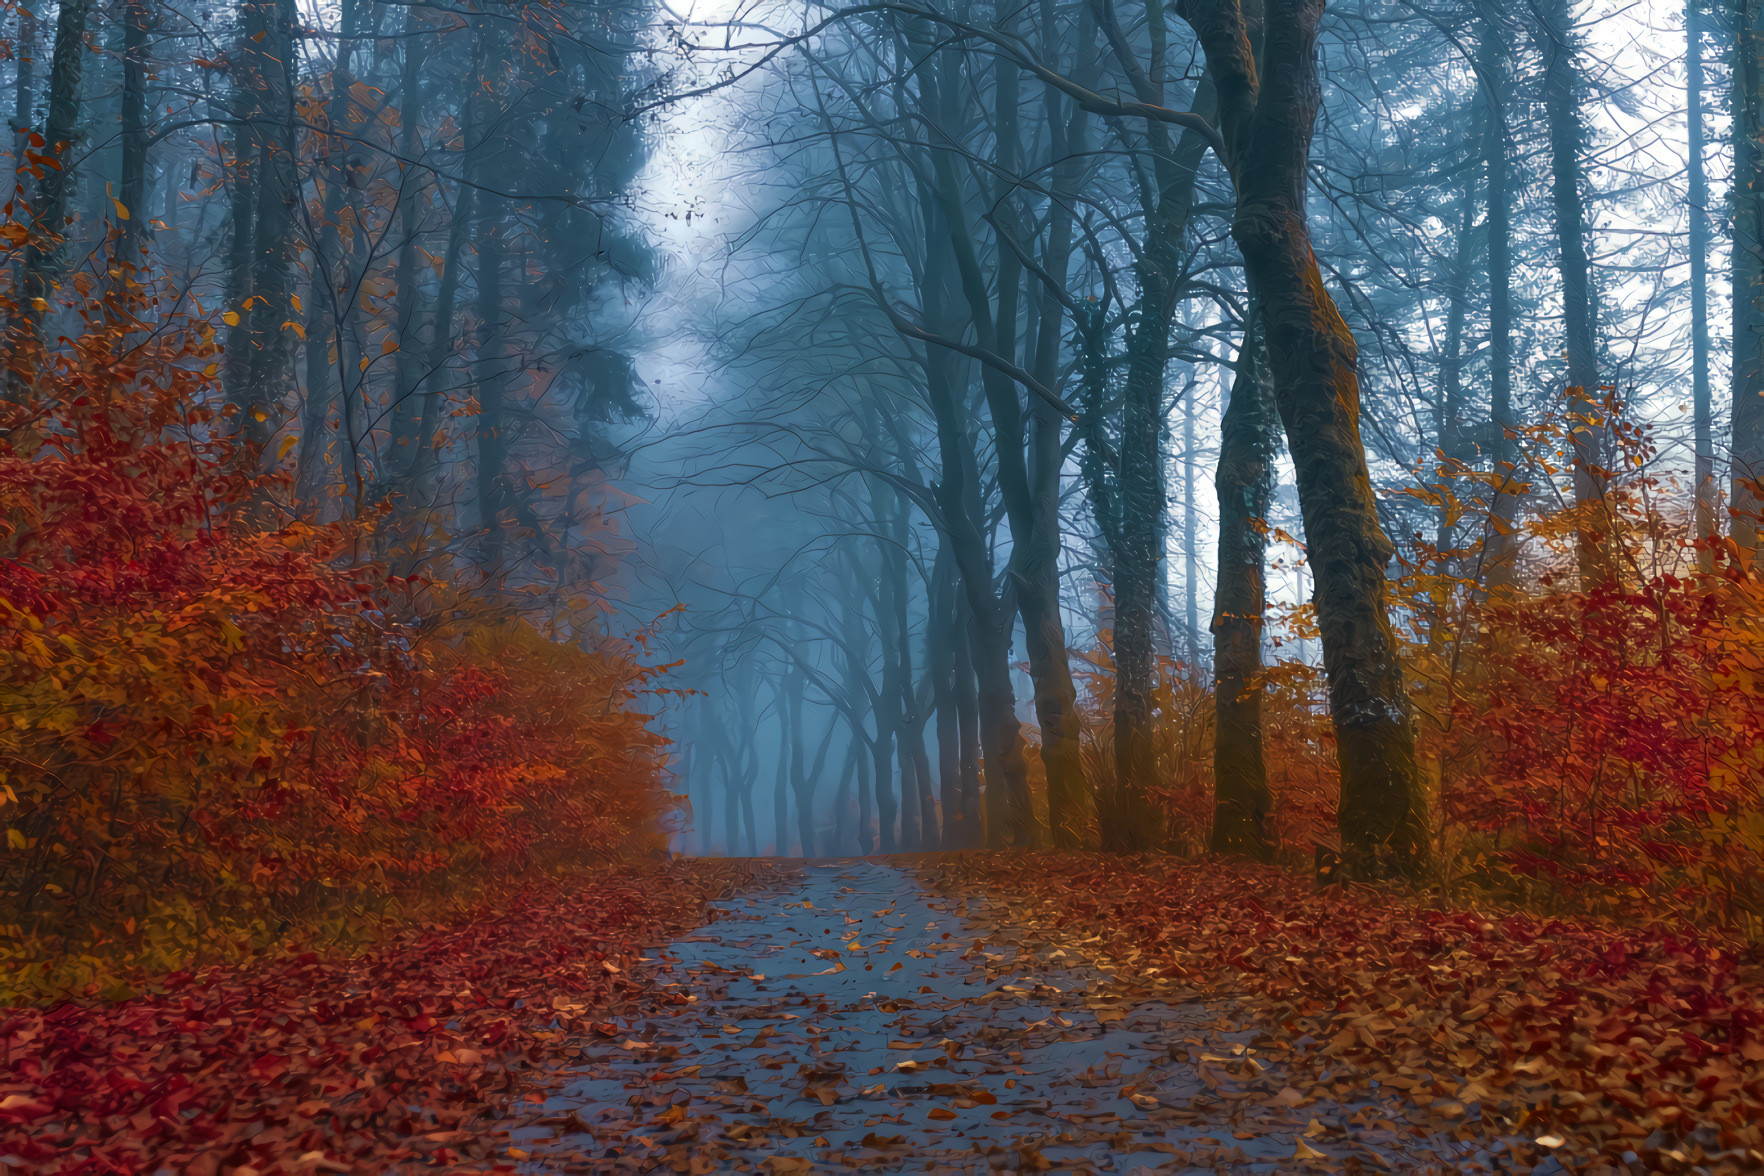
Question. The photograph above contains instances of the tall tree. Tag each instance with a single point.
(1746, 500)
(132, 191)
(1245, 482)
(263, 179)
(1704, 525)
(1493, 52)
(46, 254)
(1562, 93)
(1267, 116)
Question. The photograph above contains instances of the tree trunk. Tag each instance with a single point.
(329, 305)
(494, 502)
(410, 401)
(418, 474)
(1037, 555)
(929, 836)
(1501, 550)
(941, 634)
(1009, 817)
(132, 191)
(1190, 540)
(781, 786)
(842, 800)
(1705, 527)
(1747, 499)
(952, 271)
(900, 630)
(1134, 823)
(275, 187)
(46, 254)
(1455, 453)
(854, 639)
(23, 83)
(1131, 822)
(1245, 481)
(890, 607)
(1587, 430)
(23, 97)
(971, 830)
(746, 761)
(803, 781)
(1267, 118)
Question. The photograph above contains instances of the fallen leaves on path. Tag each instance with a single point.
(1593, 1040)
(993, 1045)
(313, 1064)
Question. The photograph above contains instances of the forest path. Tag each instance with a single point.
(855, 1020)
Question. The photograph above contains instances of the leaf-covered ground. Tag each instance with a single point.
(1598, 1046)
(858, 1020)
(408, 1054)
(962, 1014)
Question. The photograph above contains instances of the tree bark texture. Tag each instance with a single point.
(1705, 528)
(1501, 547)
(1245, 482)
(1588, 433)
(1746, 500)
(45, 254)
(1267, 113)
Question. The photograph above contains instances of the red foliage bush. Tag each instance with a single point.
(218, 726)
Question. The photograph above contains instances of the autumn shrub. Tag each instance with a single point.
(1182, 737)
(220, 730)
(1594, 746)
(1593, 741)
(1608, 742)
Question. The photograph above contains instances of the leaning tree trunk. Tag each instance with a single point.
(1134, 822)
(1036, 462)
(1010, 818)
(1748, 277)
(1038, 562)
(954, 257)
(1245, 481)
(1268, 112)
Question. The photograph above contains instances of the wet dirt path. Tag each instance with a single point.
(857, 1021)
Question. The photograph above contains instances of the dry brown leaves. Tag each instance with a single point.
(1599, 1042)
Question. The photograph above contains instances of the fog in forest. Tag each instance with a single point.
(1063, 425)
(961, 585)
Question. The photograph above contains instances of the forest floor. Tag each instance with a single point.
(956, 1013)
(860, 1017)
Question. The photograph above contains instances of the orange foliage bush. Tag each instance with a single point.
(215, 728)
(1595, 749)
